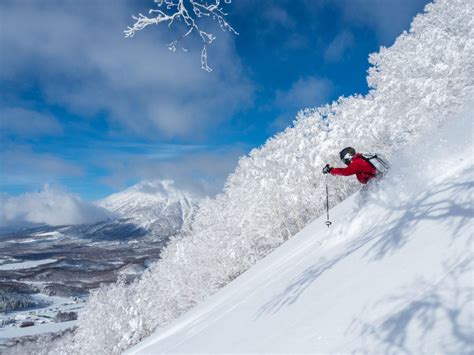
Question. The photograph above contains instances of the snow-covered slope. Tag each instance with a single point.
(393, 274)
(153, 205)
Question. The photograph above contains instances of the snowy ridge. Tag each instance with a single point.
(154, 205)
(393, 274)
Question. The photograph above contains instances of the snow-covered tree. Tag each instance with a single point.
(189, 13)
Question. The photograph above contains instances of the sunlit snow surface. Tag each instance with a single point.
(393, 274)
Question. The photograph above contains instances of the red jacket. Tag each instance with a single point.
(363, 170)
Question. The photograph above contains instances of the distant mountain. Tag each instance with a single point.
(156, 206)
(40, 262)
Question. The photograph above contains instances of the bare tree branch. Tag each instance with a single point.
(187, 12)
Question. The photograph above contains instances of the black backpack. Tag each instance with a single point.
(377, 161)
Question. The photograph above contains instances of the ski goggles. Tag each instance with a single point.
(347, 158)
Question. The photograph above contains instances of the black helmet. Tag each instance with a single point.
(347, 154)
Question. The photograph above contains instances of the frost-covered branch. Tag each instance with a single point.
(187, 12)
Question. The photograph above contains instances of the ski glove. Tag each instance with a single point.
(327, 169)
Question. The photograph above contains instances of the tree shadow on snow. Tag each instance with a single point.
(455, 212)
(391, 233)
(444, 308)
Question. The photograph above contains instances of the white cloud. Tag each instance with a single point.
(28, 123)
(50, 206)
(388, 18)
(76, 53)
(306, 92)
(22, 166)
(202, 173)
(277, 16)
(338, 46)
(303, 93)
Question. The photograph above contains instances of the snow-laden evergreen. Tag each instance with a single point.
(419, 83)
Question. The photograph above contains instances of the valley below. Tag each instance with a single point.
(47, 273)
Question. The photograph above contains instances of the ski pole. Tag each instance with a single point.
(328, 222)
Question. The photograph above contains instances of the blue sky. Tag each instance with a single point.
(89, 111)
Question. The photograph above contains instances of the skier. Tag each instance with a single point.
(356, 165)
